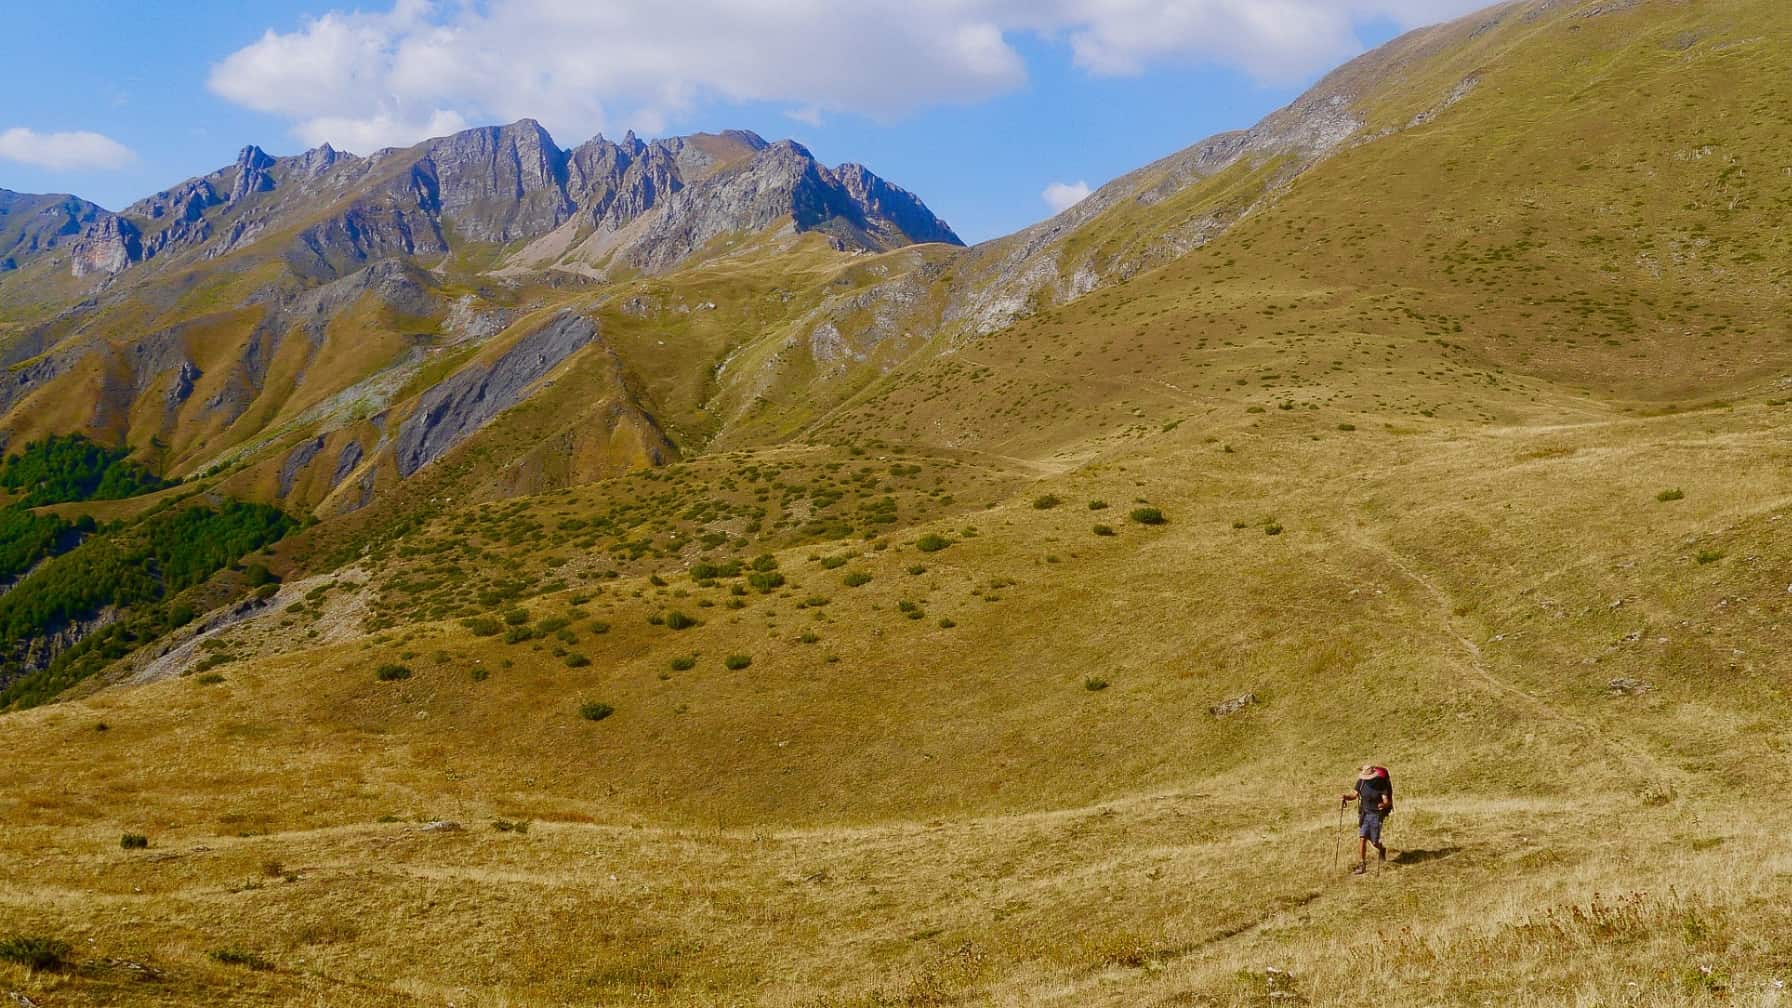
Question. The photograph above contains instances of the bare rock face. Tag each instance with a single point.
(108, 245)
(500, 183)
(887, 205)
(783, 180)
(472, 397)
(616, 183)
(252, 173)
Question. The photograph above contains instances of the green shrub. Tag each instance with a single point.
(1347, 427)
(591, 710)
(766, 582)
(479, 673)
(1095, 684)
(856, 579)
(832, 562)
(234, 956)
(932, 542)
(1272, 529)
(736, 662)
(1098, 505)
(1046, 502)
(518, 634)
(1104, 530)
(507, 826)
(765, 562)
(517, 617)
(133, 841)
(208, 678)
(679, 621)
(392, 673)
(916, 570)
(1148, 516)
(576, 660)
(1671, 495)
(1709, 556)
(946, 623)
(482, 626)
(809, 637)
(600, 627)
(684, 663)
(36, 952)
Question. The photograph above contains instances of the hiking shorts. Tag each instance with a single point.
(1368, 826)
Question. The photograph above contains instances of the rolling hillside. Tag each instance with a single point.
(826, 614)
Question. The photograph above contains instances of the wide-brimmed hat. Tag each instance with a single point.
(1368, 772)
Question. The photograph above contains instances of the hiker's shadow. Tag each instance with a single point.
(1412, 857)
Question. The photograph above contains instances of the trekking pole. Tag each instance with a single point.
(1338, 843)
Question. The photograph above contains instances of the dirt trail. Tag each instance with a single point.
(1468, 658)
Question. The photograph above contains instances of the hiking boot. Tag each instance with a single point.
(1362, 868)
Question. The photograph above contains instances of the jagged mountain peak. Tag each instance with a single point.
(501, 185)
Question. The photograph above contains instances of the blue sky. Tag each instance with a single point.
(976, 105)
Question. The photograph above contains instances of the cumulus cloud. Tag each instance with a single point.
(76, 149)
(1061, 196)
(362, 80)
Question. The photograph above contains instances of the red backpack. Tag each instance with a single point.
(1387, 784)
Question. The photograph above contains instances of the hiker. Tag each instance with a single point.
(1375, 794)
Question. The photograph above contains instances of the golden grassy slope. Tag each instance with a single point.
(1458, 423)
(780, 834)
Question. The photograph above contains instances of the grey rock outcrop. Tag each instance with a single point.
(451, 411)
(108, 245)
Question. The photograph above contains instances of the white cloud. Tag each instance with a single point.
(1061, 196)
(362, 80)
(72, 150)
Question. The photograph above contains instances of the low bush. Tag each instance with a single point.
(932, 542)
(684, 663)
(1671, 495)
(591, 710)
(736, 662)
(234, 956)
(1095, 684)
(1104, 530)
(679, 621)
(36, 952)
(482, 626)
(392, 673)
(1148, 516)
(576, 660)
(1046, 502)
(856, 579)
(133, 841)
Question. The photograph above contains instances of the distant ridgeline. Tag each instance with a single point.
(88, 593)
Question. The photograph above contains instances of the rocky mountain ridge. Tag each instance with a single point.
(495, 186)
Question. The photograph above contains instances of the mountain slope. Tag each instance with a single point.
(930, 626)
